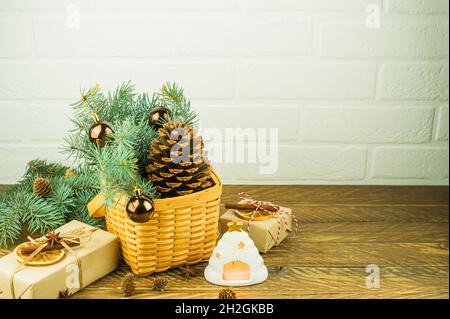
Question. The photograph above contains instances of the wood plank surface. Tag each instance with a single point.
(343, 229)
(344, 195)
(294, 282)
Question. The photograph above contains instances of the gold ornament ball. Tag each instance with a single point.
(157, 115)
(98, 133)
(140, 208)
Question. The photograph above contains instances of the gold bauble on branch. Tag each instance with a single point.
(157, 116)
(99, 131)
(140, 208)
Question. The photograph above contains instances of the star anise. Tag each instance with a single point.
(188, 272)
(53, 237)
(64, 294)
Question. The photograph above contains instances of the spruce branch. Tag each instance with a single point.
(172, 97)
(41, 216)
(19, 205)
(10, 222)
(116, 168)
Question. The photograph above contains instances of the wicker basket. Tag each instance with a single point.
(183, 230)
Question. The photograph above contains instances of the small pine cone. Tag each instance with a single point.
(41, 187)
(227, 294)
(160, 284)
(128, 285)
(64, 294)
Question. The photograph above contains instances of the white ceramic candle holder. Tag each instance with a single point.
(235, 260)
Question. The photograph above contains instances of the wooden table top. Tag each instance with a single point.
(343, 229)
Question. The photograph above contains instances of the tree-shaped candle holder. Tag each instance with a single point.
(235, 260)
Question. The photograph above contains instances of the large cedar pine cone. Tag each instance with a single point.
(41, 187)
(178, 165)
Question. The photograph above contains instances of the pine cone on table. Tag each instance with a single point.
(160, 284)
(128, 285)
(227, 294)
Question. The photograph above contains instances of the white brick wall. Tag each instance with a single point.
(353, 105)
(410, 162)
(243, 36)
(201, 80)
(315, 80)
(424, 81)
(418, 6)
(101, 36)
(442, 126)
(393, 40)
(372, 124)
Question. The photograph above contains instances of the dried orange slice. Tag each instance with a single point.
(260, 215)
(42, 259)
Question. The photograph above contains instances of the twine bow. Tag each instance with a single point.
(277, 213)
(52, 238)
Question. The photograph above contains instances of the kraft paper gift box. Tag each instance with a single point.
(262, 232)
(98, 256)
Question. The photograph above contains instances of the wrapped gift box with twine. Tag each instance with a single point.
(267, 226)
(61, 263)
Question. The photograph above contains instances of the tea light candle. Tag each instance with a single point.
(235, 260)
(236, 271)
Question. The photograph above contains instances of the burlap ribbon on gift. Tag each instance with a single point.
(64, 239)
(276, 213)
